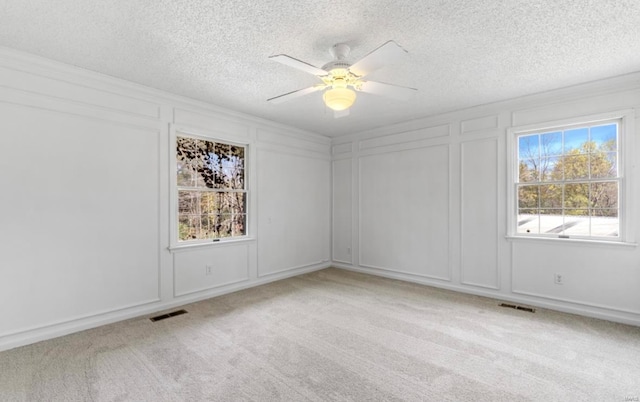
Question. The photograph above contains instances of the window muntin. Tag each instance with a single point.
(568, 181)
(211, 189)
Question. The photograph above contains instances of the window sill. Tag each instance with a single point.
(561, 240)
(220, 243)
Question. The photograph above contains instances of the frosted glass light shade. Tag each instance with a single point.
(339, 98)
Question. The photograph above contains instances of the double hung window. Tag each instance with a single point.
(210, 189)
(568, 181)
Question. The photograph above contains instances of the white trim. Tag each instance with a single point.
(560, 240)
(600, 312)
(93, 320)
(211, 243)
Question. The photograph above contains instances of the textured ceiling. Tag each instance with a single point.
(461, 52)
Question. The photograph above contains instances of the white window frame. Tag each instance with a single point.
(174, 133)
(626, 161)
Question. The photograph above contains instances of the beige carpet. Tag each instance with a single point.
(334, 335)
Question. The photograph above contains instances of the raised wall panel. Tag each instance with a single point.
(79, 217)
(582, 267)
(80, 94)
(479, 124)
(293, 211)
(210, 122)
(479, 213)
(406, 137)
(404, 211)
(229, 264)
(280, 140)
(341, 148)
(342, 215)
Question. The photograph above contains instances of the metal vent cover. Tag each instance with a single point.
(517, 307)
(167, 315)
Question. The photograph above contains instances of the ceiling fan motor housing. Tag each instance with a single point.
(339, 51)
(332, 65)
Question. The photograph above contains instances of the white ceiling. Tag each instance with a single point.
(461, 52)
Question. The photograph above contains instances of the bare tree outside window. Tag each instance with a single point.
(211, 189)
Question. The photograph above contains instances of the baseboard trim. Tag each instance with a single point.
(621, 317)
(44, 333)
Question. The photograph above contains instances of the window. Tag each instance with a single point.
(568, 181)
(211, 190)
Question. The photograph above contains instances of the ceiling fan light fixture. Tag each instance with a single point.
(339, 98)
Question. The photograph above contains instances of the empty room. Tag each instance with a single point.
(319, 201)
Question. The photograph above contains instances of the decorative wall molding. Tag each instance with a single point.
(406, 137)
(339, 149)
(484, 228)
(479, 124)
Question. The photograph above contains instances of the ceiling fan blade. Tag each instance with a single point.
(392, 91)
(340, 113)
(295, 94)
(385, 54)
(299, 64)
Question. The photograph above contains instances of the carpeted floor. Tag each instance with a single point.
(335, 335)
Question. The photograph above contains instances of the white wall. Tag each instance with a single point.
(425, 201)
(84, 205)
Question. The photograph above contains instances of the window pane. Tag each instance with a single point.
(603, 164)
(206, 227)
(576, 222)
(184, 228)
(228, 165)
(236, 156)
(189, 227)
(227, 203)
(231, 174)
(188, 202)
(551, 169)
(551, 221)
(528, 221)
(209, 203)
(187, 176)
(576, 195)
(528, 197)
(528, 147)
(192, 154)
(551, 196)
(551, 144)
(604, 195)
(576, 167)
(575, 140)
(240, 202)
(605, 223)
(238, 224)
(225, 224)
(605, 137)
(528, 171)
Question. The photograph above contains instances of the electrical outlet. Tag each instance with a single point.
(208, 269)
(349, 250)
(558, 279)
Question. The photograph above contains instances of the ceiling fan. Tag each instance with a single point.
(341, 79)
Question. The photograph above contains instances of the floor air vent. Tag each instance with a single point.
(516, 307)
(171, 314)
